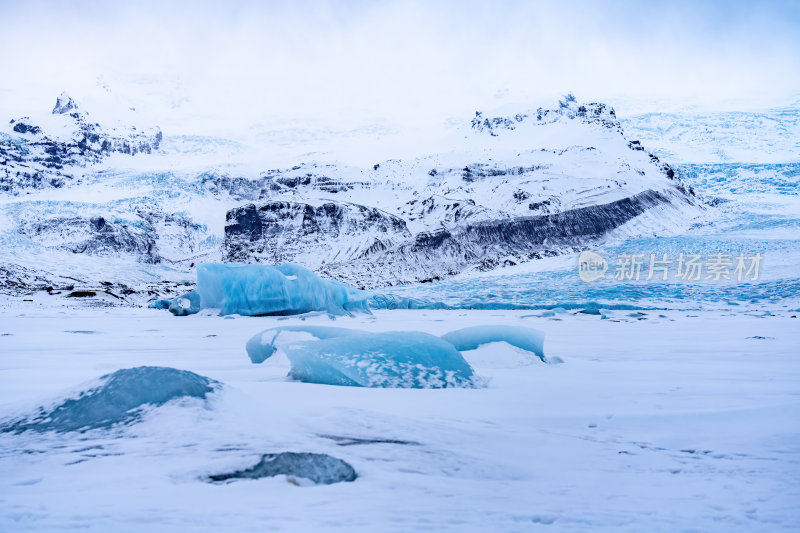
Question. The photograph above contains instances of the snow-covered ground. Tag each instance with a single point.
(648, 425)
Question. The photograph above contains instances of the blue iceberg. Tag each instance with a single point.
(339, 356)
(401, 359)
(263, 345)
(404, 359)
(531, 340)
(186, 304)
(267, 290)
(116, 398)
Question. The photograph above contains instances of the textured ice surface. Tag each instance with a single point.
(317, 467)
(470, 338)
(262, 345)
(115, 398)
(273, 290)
(340, 356)
(404, 359)
(392, 301)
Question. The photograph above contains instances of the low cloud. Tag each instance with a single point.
(405, 62)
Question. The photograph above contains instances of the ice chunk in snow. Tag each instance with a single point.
(406, 359)
(115, 398)
(528, 339)
(161, 303)
(409, 359)
(268, 290)
(263, 345)
(317, 467)
(186, 304)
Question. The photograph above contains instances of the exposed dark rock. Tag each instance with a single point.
(275, 182)
(439, 211)
(143, 235)
(64, 104)
(24, 127)
(635, 145)
(19, 280)
(569, 227)
(277, 232)
(489, 244)
(44, 160)
(521, 195)
(81, 294)
(94, 236)
(593, 113)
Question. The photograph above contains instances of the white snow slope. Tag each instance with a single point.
(646, 426)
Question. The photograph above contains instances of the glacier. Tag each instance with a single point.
(254, 290)
(318, 468)
(116, 398)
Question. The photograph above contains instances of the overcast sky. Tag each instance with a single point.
(408, 61)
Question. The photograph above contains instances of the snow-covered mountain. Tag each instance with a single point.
(56, 150)
(503, 190)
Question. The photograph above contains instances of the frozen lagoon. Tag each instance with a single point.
(648, 425)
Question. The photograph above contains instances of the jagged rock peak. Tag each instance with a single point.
(24, 125)
(52, 154)
(64, 104)
(568, 108)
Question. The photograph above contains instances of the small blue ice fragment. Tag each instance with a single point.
(161, 303)
(470, 338)
(262, 345)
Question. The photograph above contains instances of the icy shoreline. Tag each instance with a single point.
(646, 425)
